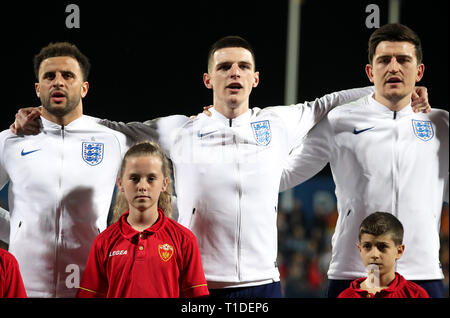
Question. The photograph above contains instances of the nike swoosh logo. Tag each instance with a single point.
(362, 130)
(200, 135)
(24, 153)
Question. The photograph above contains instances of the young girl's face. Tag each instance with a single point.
(142, 182)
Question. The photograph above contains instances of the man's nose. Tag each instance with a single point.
(58, 80)
(394, 66)
(234, 70)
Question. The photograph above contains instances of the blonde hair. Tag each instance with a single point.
(146, 148)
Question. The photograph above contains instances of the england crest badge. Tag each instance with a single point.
(92, 152)
(423, 129)
(262, 132)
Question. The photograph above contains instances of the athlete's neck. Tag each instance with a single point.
(63, 120)
(230, 110)
(141, 220)
(394, 104)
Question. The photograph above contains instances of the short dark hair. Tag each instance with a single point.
(394, 32)
(380, 223)
(230, 41)
(62, 49)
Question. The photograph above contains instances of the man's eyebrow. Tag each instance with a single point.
(51, 74)
(230, 62)
(392, 55)
(62, 71)
(67, 72)
(222, 63)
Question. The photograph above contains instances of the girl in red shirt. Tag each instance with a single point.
(144, 253)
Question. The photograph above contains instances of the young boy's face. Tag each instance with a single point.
(380, 250)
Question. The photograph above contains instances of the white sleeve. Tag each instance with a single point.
(308, 158)
(300, 118)
(317, 109)
(136, 131)
(4, 215)
(160, 130)
(4, 225)
(175, 212)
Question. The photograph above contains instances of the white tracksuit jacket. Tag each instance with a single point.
(227, 178)
(61, 185)
(385, 161)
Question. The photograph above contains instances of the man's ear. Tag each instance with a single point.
(420, 71)
(37, 88)
(207, 80)
(256, 82)
(84, 89)
(369, 72)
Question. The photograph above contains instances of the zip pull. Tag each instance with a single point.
(231, 122)
(395, 114)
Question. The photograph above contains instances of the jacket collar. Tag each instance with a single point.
(380, 108)
(73, 124)
(235, 122)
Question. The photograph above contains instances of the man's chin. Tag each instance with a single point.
(234, 102)
(394, 96)
(59, 110)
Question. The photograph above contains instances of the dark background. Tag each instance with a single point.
(148, 58)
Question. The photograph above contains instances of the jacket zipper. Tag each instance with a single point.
(58, 214)
(395, 175)
(239, 221)
(239, 212)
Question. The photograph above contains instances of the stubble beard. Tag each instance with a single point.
(57, 110)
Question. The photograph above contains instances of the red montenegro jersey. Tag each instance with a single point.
(161, 261)
(399, 288)
(11, 284)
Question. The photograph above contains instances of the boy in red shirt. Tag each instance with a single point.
(11, 284)
(380, 246)
(144, 253)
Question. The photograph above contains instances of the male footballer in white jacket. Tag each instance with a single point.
(61, 181)
(383, 157)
